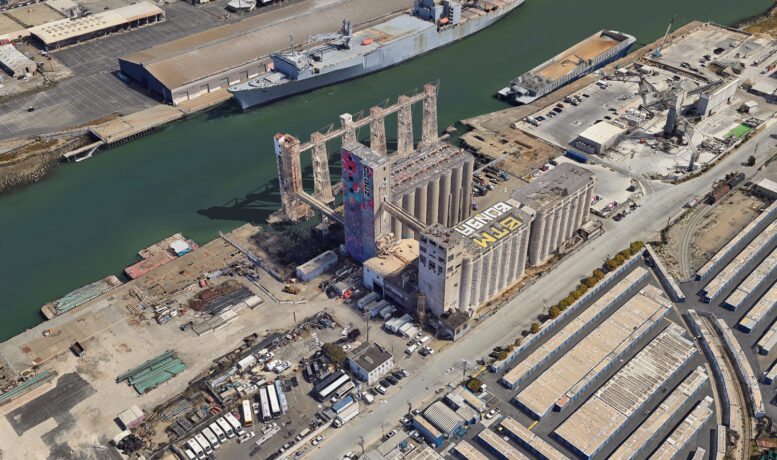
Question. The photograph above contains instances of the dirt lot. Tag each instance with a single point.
(707, 228)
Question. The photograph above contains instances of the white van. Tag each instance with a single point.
(203, 443)
(216, 429)
(226, 427)
(189, 454)
(212, 439)
(196, 448)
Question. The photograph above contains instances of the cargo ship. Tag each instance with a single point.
(79, 296)
(159, 254)
(347, 54)
(591, 54)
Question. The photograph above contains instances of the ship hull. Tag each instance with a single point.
(391, 54)
(594, 68)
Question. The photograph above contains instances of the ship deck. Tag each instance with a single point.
(587, 49)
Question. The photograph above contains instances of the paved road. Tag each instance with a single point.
(507, 322)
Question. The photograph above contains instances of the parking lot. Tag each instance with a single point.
(94, 91)
(564, 126)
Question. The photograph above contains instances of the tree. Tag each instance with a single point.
(636, 246)
(502, 355)
(582, 288)
(751, 160)
(619, 259)
(335, 353)
(569, 300)
(612, 264)
(591, 281)
(598, 274)
(554, 312)
(517, 342)
(535, 328)
(474, 385)
(563, 305)
(626, 254)
(575, 294)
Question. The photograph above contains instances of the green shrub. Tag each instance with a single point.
(554, 312)
(535, 328)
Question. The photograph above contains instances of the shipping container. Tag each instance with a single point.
(579, 157)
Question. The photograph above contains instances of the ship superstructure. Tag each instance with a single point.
(591, 54)
(347, 54)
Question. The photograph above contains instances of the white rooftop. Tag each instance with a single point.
(601, 133)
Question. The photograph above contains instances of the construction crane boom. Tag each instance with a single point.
(657, 52)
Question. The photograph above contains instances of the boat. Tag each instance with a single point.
(347, 54)
(591, 54)
(79, 296)
(159, 254)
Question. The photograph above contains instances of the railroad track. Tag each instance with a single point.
(686, 270)
(746, 429)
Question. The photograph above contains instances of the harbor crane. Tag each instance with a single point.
(657, 52)
(342, 37)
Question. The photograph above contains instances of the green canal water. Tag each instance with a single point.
(217, 171)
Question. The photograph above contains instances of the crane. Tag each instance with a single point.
(345, 34)
(657, 52)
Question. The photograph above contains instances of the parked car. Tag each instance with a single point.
(398, 375)
(385, 383)
(392, 380)
(245, 437)
(381, 389)
(391, 434)
(404, 372)
(316, 441)
(405, 421)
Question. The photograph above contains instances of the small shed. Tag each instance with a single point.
(131, 417)
(317, 266)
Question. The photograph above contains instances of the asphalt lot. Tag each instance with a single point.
(564, 127)
(71, 389)
(94, 91)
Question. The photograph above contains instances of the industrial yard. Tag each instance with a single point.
(459, 301)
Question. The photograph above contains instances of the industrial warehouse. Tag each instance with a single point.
(483, 279)
(184, 69)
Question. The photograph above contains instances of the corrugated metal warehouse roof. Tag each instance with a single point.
(442, 417)
(11, 59)
(200, 55)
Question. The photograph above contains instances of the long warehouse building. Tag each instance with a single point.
(183, 69)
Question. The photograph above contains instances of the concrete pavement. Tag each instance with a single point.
(643, 224)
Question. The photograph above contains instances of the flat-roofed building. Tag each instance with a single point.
(561, 199)
(370, 362)
(567, 378)
(64, 32)
(599, 137)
